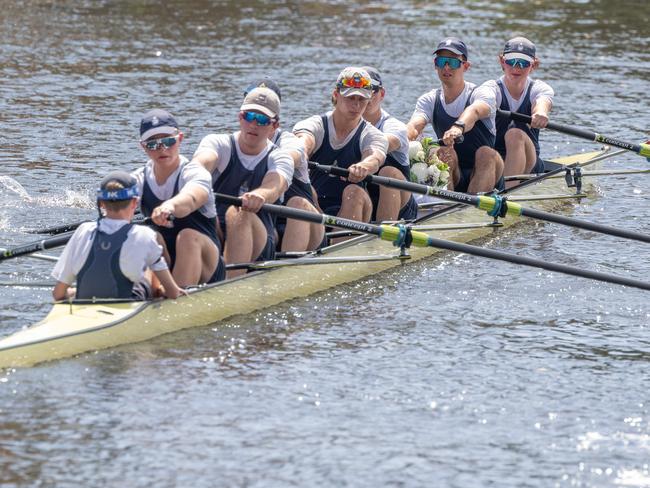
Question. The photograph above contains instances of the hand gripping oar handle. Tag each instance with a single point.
(641, 149)
(493, 205)
(401, 235)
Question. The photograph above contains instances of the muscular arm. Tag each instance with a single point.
(393, 142)
(167, 281)
(308, 140)
(540, 110)
(370, 164)
(208, 159)
(187, 201)
(476, 111)
(272, 187)
(414, 128)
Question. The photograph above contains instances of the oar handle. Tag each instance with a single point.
(642, 149)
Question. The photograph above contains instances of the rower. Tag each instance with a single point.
(249, 165)
(342, 138)
(459, 108)
(177, 194)
(516, 91)
(389, 203)
(112, 258)
(294, 235)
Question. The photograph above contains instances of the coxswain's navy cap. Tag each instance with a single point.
(157, 122)
(452, 44)
(265, 82)
(519, 47)
(128, 183)
(374, 76)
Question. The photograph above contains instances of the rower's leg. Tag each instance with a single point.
(391, 200)
(300, 235)
(197, 257)
(355, 205)
(488, 168)
(449, 156)
(246, 237)
(520, 154)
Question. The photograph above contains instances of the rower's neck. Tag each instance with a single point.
(250, 150)
(343, 125)
(515, 87)
(373, 117)
(162, 171)
(452, 91)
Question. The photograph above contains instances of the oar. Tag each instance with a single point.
(641, 149)
(43, 244)
(31, 247)
(494, 205)
(401, 235)
(60, 229)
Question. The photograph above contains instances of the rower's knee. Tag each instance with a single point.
(391, 172)
(234, 216)
(487, 158)
(514, 137)
(354, 192)
(300, 203)
(187, 238)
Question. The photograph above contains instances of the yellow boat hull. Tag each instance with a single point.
(71, 329)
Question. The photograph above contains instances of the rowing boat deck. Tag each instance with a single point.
(73, 328)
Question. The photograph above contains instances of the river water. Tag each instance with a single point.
(456, 371)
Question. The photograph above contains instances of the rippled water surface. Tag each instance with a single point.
(454, 371)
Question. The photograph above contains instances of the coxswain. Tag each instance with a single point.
(111, 257)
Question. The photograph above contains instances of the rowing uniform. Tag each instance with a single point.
(534, 90)
(202, 220)
(399, 158)
(237, 173)
(125, 249)
(344, 154)
(433, 108)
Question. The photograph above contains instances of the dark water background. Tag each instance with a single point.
(452, 372)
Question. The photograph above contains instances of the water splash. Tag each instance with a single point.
(10, 185)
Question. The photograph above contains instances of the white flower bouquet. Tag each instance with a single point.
(426, 168)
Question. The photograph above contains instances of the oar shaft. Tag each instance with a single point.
(583, 224)
(35, 246)
(642, 149)
(538, 263)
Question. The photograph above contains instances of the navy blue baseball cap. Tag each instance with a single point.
(519, 47)
(156, 122)
(128, 190)
(265, 82)
(452, 44)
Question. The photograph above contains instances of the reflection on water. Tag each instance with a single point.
(458, 370)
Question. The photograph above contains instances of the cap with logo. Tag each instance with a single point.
(128, 183)
(263, 100)
(354, 81)
(519, 47)
(375, 77)
(452, 44)
(265, 82)
(157, 122)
